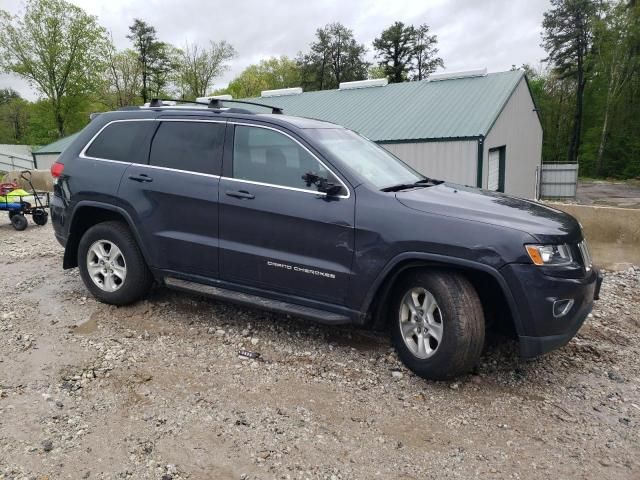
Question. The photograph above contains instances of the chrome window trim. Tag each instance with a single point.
(252, 182)
(315, 192)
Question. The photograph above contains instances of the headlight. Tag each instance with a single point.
(552, 255)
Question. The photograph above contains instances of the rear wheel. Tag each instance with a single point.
(19, 221)
(111, 264)
(40, 217)
(437, 323)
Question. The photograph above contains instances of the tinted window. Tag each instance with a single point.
(192, 146)
(123, 141)
(266, 156)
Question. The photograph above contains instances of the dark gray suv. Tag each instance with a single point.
(308, 218)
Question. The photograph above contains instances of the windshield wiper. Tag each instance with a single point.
(425, 182)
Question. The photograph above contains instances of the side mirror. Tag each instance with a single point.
(323, 184)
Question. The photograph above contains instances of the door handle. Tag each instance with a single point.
(240, 194)
(141, 178)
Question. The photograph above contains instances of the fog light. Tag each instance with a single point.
(562, 307)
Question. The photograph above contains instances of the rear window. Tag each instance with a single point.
(191, 146)
(123, 141)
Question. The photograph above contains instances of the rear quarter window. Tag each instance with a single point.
(126, 141)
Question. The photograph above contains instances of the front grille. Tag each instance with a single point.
(586, 256)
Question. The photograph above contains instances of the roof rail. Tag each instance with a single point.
(213, 103)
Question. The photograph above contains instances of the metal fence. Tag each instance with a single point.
(559, 180)
(9, 163)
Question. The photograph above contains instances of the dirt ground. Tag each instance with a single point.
(157, 390)
(611, 194)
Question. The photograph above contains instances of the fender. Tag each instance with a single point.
(68, 261)
(414, 259)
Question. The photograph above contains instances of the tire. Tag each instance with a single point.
(457, 319)
(123, 277)
(12, 213)
(40, 217)
(19, 222)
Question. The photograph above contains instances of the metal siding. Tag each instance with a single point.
(559, 180)
(409, 111)
(451, 161)
(46, 160)
(519, 129)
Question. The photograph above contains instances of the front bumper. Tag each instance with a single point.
(534, 294)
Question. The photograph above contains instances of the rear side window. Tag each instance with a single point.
(191, 146)
(123, 141)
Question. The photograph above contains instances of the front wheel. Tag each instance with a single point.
(111, 264)
(437, 323)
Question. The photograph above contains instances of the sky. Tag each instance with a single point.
(471, 33)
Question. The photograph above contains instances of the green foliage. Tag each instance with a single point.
(394, 48)
(567, 38)
(197, 67)
(122, 81)
(58, 48)
(406, 52)
(269, 74)
(609, 143)
(335, 56)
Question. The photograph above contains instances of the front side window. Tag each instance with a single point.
(191, 146)
(126, 141)
(267, 156)
(367, 159)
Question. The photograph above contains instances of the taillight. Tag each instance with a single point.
(56, 169)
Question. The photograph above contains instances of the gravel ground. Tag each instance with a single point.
(157, 390)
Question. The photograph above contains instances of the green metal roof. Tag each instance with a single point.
(56, 147)
(409, 111)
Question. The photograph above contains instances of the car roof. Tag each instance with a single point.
(227, 114)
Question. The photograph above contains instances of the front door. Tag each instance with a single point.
(174, 198)
(277, 233)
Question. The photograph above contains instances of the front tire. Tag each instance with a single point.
(111, 264)
(437, 323)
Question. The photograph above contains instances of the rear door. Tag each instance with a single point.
(174, 198)
(277, 233)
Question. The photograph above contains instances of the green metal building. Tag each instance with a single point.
(44, 157)
(471, 128)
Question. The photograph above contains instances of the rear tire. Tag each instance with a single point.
(437, 323)
(19, 222)
(111, 264)
(40, 217)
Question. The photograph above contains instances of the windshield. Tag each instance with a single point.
(368, 160)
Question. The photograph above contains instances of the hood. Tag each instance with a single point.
(544, 223)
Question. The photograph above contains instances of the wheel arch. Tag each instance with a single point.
(85, 215)
(484, 278)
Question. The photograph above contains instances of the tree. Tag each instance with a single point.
(334, 57)
(567, 38)
(424, 51)
(58, 48)
(147, 46)
(269, 74)
(163, 69)
(123, 78)
(199, 66)
(615, 62)
(395, 50)
(13, 117)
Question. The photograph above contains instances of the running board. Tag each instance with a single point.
(263, 303)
